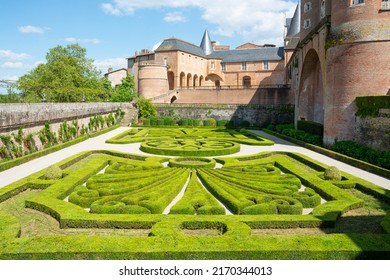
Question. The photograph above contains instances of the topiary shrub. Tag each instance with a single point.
(332, 174)
(53, 172)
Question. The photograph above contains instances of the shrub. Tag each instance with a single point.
(210, 122)
(260, 209)
(311, 127)
(245, 124)
(146, 122)
(53, 172)
(332, 174)
(222, 122)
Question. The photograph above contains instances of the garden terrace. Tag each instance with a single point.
(116, 201)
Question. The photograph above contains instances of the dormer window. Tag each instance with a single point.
(307, 24)
(307, 7)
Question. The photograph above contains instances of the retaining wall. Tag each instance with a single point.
(255, 114)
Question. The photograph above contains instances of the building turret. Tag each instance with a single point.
(206, 44)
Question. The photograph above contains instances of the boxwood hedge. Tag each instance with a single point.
(166, 239)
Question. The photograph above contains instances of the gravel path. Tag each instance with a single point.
(98, 143)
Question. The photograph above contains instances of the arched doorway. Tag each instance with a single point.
(182, 79)
(189, 80)
(171, 80)
(246, 82)
(195, 80)
(200, 81)
(311, 89)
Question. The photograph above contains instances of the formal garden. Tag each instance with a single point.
(193, 197)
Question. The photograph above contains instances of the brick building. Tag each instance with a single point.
(338, 51)
(179, 65)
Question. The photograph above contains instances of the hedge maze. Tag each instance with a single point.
(104, 198)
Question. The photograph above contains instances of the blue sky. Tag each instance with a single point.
(112, 30)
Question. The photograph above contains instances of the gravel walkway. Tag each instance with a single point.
(98, 143)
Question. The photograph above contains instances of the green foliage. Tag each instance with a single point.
(53, 172)
(167, 239)
(197, 200)
(145, 108)
(364, 153)
(370, 105)
(290, 131)
(192, 162)
(67, 76)
(210, 122)
(311, 127)
(332, 173)
(125, 92)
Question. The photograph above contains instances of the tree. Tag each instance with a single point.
(125, 91)
(67, 76)
(145, 108)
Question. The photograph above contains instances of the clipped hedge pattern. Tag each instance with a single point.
(197, 200)
(132, 186)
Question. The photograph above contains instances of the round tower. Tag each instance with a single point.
(358, 56)
(152, 80)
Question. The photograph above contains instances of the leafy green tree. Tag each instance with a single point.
(67, 76)
(145, 108)
(125, 91)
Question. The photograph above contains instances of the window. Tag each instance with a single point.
(323, 10)
(212, 65)
(246, 81)
(165, 61)
(357, 2)
(307, 24)
(265, 65)
(223, 66)
(307, 7)
(243, 66)
(385, 5)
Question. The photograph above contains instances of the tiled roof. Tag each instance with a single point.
(249, 55)
(174, 44)
(242, 55)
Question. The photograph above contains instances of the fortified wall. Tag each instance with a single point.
(255, 114)
(13, 116)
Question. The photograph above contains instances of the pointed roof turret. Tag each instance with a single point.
(295, 23)
(206, 43)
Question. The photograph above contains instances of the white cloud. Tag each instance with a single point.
(9, 78)
(32, 29)
(115, 63)
(109, 9)
(12, 65)
(252, 19)
(78, 40)
(175, 17)
(10, 55)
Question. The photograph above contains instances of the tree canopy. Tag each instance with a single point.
(125, 91)
(67, 76)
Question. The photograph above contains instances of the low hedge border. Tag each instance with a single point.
(18, 161)
(343, 158)
(197, 200)
(192, 162)
(187, 153)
